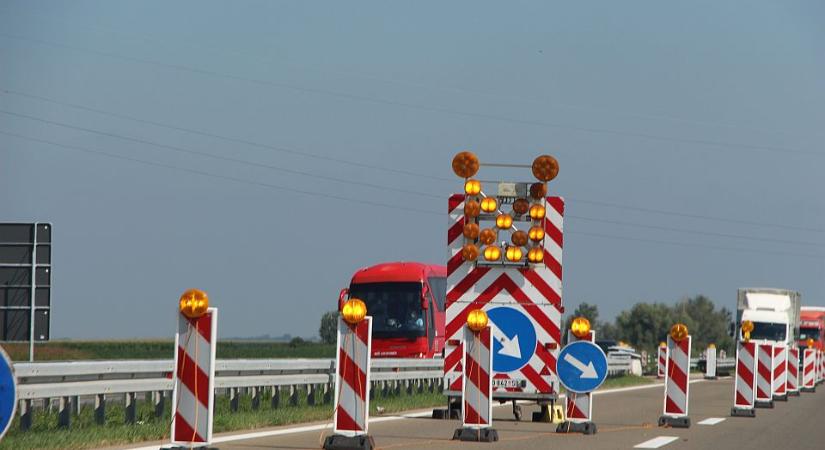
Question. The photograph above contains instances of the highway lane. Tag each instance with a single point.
(625, 418)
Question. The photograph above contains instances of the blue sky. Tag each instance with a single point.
(190, 133)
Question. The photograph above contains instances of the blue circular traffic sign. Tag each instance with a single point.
(514, 338)
(582, 366)
(8, 393)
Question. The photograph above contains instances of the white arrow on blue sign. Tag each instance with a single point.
(582, 366)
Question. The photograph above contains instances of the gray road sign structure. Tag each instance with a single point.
(25, 282)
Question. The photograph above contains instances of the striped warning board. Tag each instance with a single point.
(780, 371)
(579, 407)
(764, 374)
(809, 369)
(352, 380)
(477, 401)
(194, 383)
(677, 388)
(793, 371)
(744, 396)
(661, 361)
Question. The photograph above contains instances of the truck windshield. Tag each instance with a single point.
(768, 331)
(808, 333)
(395, 308)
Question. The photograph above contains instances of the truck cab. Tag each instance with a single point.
(812, 326)
(406, 301)
(774, 313)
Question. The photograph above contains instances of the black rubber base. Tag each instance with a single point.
(475, 435)
(711, 378)
(780, 398)
(742, 412)
(793, 393)
(179, 447)
(674, 422)
(763, 404)
(339, 442)
(813, 389)
(576, 427)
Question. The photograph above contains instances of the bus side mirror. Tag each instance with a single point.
(424, 294)
(342, 297)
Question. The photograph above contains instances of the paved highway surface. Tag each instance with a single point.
(625, 419)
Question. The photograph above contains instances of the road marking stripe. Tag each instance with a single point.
(660, 441)
(711, 421)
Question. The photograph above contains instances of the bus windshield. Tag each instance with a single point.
(768, 331)
(395, 308)
(808, 333)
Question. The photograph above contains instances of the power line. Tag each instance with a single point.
(224, 177)
(175, 148)
(415, 106)
(393, 170)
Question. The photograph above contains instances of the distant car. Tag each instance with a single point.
(620, 351)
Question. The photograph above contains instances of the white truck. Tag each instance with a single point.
(774, 313)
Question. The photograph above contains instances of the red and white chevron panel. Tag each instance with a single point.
(579, 407)
(745, 375)
(780, 372)
(194, 382)
(661, 362)
(352, 380)
(477, 392)
(809, 368)
(764, 372)
(793, 369)
(534, 291)
(821, 366)
(677, 388)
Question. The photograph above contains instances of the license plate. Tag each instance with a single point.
(511, 383)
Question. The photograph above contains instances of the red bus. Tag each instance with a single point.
(406, 301)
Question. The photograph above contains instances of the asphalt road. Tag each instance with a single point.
(625, 419)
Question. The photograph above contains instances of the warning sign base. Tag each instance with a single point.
(674, 422)
(340, 442)
(576, 427)
(742, 412)
(781, 398)
(805, 389)
(468, 434)
(763, 404)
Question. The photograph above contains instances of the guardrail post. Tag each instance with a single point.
(76, 404)
(64, 412)
(159, 400)
(432, 385)
(233, 399)
(310, 395)
(130, 407)
(397, 387)
(408, 386)
(373, 387)
(293, 395)
(25, 414)
(327, 394)
(420, 386)
(47, 404)
(100, 409)
(275, 397)
(256, 398)
(384, 389)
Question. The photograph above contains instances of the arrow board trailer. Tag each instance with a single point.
(519, 290)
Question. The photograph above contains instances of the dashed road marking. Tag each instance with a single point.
(660, 441)
(711, 421)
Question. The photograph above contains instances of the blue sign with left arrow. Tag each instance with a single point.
(582, 366)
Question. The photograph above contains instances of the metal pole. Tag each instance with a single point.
(33, 289)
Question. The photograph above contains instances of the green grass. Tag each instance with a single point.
(626, 381)
(84, 433)
(163, 349)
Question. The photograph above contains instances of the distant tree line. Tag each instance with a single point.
(644, 325)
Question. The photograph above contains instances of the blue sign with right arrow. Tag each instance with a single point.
(582, 366)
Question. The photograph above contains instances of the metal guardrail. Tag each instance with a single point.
(73, 383)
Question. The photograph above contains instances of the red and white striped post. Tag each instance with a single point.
(780, 372)
(764, 376)
(793, 371)
(661, 360)
(194, 381)
(677, 374)
(352, 380)
(744, 395)
(821, 366)
(809, 370)
(578, 406)
(477, 384)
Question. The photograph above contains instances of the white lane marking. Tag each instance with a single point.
(711, 421)
(660, 441)
(319, 427)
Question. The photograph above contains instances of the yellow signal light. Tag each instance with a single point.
(472, 187)
(465, 164)
(504, 221)
(469, 252)
(514, 254)
(519, 238)
(538, 190)
(487, 236)
(810, 342)
(747, 326)
(477, 320)
(711, 345)
(193, 303)
(662, 344)
(535, 255)
(489, 204)
(536, 234)
(492, 253)
(580, 327)
(354, 311)
(471, 208)
(545, 168)
(679, 332)
(471, 231)
(537, 212)
(520, 206)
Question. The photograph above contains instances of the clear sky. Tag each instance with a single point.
(265, 150)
